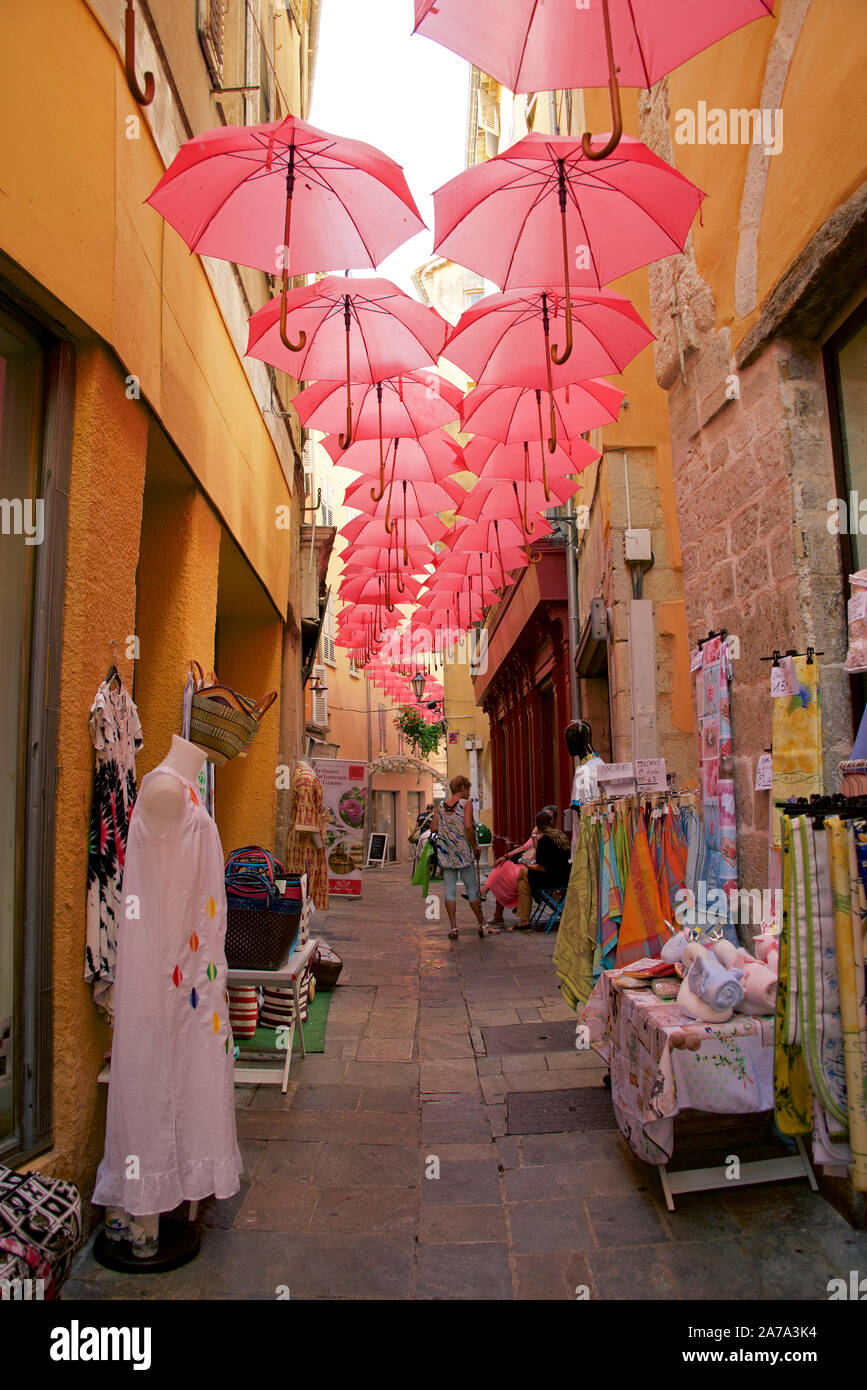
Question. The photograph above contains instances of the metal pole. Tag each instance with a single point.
(368, 819)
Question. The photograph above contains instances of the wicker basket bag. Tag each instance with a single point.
(223, 722)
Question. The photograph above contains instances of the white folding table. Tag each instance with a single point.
(287, 977)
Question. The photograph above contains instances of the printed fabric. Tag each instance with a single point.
(797, 739)
(717, 766)
(791, 1084)
(642, 930)
(453, 847)
(576, 938)
(117, 737)
(853, 1002)
(303, 855)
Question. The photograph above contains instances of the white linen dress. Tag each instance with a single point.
(170, 1130)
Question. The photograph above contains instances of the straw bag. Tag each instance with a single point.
(223, 722)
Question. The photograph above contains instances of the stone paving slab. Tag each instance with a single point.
(338, 1200)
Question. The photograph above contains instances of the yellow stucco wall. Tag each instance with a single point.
(821, 163)
(106, 484)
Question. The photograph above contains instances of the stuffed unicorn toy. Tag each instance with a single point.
(760, 981)
(709, 991)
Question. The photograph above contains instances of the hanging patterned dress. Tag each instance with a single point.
(117, 737)
(307, 820)
(170, 1129)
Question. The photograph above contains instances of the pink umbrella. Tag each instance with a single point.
(370, 530)
(521, 217)
(411, 499)
(530, 46)
(507, 462)
(502, 499)
(363, 587)
(430, 458)
(514, 413)
(286, 196)
(390, 332)
(495, 536)
(504, 339)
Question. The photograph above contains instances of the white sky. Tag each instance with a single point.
(407, 96)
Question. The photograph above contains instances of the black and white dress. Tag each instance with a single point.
(117, 737)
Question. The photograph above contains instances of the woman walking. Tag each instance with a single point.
(458, 851)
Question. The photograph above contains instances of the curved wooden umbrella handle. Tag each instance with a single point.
(344, 440)
(500, 555)
(405, 546)
(287, 231)
(614, 96)
(374, 495)
(528, 526)
(556, 355)
(391, 526)
(546, 328)
(144, 98)
(542, 442)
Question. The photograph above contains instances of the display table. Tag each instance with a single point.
(287, 977)
(663, 1061)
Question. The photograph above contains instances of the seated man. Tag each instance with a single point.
(550, 869)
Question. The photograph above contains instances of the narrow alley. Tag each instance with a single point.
(336, 1202)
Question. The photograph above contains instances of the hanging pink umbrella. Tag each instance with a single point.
(368, 324)
(542, 213)
(406, 498)
(493, 462)
(363, 587)
(430, 458)
(556, 45)
(412, 404)
(370, 530)
(495, 536)
(505, 339)
(286, 196)
(512, 414)
(517, 501)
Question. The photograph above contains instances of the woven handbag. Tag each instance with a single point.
(40, 1228)
(223, 722)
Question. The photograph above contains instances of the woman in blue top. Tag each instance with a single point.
(458, 851)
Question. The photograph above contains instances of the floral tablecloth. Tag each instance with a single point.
(662, 1060)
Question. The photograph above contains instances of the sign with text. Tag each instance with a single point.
(377, 848)
(649, 772)
(764, 773)
(344, 800)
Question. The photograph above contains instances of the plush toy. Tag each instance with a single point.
(767, 948)
(760, 981)
(708, 990)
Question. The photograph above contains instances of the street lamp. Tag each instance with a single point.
(418, 681)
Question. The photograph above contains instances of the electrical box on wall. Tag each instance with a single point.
(636, 544)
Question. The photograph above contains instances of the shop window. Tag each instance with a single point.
(36, 404)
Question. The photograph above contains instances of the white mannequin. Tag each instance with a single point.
(162, 799)
(308, 762)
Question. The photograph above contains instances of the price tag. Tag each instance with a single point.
(651, 774)
(779, 688)
(764, 773)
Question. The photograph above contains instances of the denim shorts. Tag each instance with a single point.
(470, 881)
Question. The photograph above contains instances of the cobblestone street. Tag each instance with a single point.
(335, 1201)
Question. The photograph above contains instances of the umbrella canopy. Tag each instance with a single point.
(505, 339)
(365, 588)
(491, 460)
(517, 501)
(413, 404)
(370, 530)
(512, 414)
(406, 498)
(365, 329)
(226, 193)
(542, 213)
(431, 458)
(559, 44)
(361, 558)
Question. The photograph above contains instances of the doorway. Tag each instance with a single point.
(385, 820)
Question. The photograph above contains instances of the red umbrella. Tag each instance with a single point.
(410, 499)
(286, 196)
(504, 339)
(381, 331)
(521, 217)
(555, 45)
(371, 530)
(363, 587)
(514, 413)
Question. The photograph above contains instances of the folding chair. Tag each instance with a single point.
(553, 901)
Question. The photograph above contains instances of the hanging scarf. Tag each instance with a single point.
(642, 930)
(797, 738)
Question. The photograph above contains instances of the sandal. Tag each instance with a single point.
(453, 933)
(483, 929)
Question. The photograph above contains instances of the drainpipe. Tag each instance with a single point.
(572, 602)
(368, 819)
